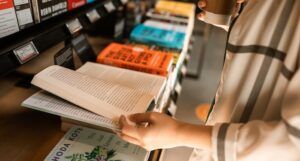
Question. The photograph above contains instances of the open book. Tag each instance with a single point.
(103, 90)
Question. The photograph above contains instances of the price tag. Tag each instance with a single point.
(109, 6)
(93, 15)
(124, 1)
(74, 26)
(26, 52)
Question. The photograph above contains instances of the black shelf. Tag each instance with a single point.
(48, 33)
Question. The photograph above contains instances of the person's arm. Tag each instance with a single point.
(261, 140)
(163, 131)
(255, 140)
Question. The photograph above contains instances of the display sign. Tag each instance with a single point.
(93, 15)
(26, 52)
(65, 58)
(83, 49)
(74, 26)
(109, 6)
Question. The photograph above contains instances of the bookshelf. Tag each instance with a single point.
(44, 35)
(31, 135)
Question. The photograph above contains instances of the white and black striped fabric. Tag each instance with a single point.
(256, 115)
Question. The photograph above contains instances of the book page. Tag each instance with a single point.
(148, 83)
(101, 97)
(85, 144)
(46, 102)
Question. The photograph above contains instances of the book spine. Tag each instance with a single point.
(36, 13)
(8, 19)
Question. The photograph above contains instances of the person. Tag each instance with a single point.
(256, 112)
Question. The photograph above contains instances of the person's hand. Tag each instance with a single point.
(158, 131)
(202, 5)
(152, 130)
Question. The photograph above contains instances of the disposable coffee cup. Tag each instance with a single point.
(219, 12)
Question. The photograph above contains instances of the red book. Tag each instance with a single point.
(136, 58)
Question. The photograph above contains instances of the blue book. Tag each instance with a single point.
(157, 36)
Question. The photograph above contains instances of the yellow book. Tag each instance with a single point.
(177, 8)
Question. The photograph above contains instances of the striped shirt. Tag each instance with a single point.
(256, 115)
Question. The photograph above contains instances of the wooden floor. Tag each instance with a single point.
(25, 135)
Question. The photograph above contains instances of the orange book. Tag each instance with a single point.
(136, 58)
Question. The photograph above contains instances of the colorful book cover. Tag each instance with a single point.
(85, 144)
(72, 4)
(45, 9)
(8, 18)
(156, 36)
(136, 58)
(178, 8)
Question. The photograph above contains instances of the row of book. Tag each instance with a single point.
(127, 78)
(16, 15)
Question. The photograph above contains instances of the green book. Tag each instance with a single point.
(85, 144)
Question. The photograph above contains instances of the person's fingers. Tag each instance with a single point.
(129, 139)
(201, 16)
(128, 129)
(201, 3)
(142, 118)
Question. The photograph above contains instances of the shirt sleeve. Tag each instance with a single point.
(260, 140)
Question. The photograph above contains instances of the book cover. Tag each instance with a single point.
(85, 144)
(8, 18)
(136, 58)
(178, 8)
(45, 9)
(156, 36)
(166, 25)
(72, 4)
(24, 14)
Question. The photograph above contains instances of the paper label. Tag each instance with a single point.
(93, 16)
(74, 26)
(109, 7)
(26, 52)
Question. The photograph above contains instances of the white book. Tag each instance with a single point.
(85, 144)
(103, 90)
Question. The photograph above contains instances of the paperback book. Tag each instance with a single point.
(8, 18)
(174, 7)
(45, 9)
(95, 93)
(157, 36)
(136, 58)
(85, 144)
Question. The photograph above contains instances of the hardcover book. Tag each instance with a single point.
(85, 144)
(136, 58)
(8, 18)
(166, 25)
(156, 36)
(24, 13)
(100, 89)
(45, 9)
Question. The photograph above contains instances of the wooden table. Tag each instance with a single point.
(25, 134)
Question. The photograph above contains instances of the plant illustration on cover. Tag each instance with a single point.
(99, 153)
